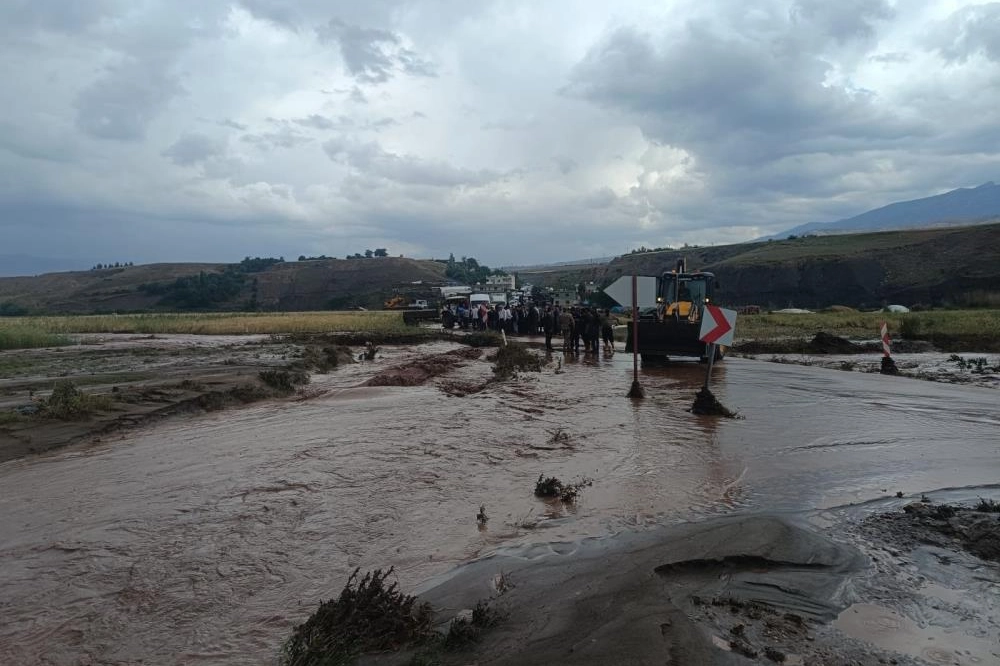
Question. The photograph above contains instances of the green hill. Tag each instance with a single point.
(946, 266)
(325, 284)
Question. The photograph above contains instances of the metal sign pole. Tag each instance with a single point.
(636, 390)
(711, 360)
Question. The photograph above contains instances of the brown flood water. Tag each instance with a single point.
(206, 540)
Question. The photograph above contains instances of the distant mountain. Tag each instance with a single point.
(966, 205)
(13, 265)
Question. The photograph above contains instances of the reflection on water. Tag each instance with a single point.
(206, 540)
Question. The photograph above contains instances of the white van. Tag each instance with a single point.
(476, 299)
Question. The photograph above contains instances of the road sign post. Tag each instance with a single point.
(888, 365)
(717, 328)
(636, 390)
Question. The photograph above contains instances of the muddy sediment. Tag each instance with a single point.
(134, 381)
(211, 538)
(711, 593)
(945, 526)
(417, 372)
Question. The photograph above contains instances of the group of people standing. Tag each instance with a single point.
(586, 325)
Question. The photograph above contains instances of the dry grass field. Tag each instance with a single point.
(29, 332)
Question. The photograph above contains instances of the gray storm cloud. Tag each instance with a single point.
(512, 132)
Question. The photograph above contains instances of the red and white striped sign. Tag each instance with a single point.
(885, 339)
(717, 325)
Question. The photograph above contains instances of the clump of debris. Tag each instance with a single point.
(512, 358)
(974, 529)
(705, 403)
(370, 615)
(552, 487)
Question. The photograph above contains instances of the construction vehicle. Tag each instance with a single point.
(673, 327)
(395, 303)
(400, 303)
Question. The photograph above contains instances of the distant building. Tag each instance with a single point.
(498, 284)
(564, 297)
(457, 290)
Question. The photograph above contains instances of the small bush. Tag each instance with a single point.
(462, 632)
(515, 357)
(988, 506)
(368, 616)
(481, 339)
(284, 381)
(909, 327)
(23, 337)
(553, 487)
(67, 402)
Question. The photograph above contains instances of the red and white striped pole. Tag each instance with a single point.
(888, 365)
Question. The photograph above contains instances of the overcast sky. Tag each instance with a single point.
(511, 131)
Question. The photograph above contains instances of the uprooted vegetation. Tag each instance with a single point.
(324, 358)
(513, 358)
(974, 529)
(419, 371)
(284, 381)
(370, 615)
(706, 404)
(551, 487)
(67, 402)
(979, 365)
(463, 631)
(481, 339)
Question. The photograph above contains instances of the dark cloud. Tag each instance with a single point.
(373, 55)
(284, 137)
(125, 99)
(369, 158)
(280, 13)
(232, 124)
(842, 21)
(25, 16)
(715, 120)
(193, 148)
(316, 121)
(731, 100)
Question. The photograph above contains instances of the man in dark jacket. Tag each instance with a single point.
(548, 326)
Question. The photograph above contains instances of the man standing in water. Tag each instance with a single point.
(548, 326)
(566, 325)
(607, 331)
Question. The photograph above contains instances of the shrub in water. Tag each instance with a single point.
(284, 381)
(68, 402)
(368, 616)
(515, 357)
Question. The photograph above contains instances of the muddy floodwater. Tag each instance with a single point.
(205, 539)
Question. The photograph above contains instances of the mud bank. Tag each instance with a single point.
(755, 589)
(735, 590)
(207, 539)
(139, 380)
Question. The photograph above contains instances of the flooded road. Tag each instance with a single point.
(206, 540)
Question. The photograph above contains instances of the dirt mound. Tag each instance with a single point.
(826, 343)
(942, 525)
(421, 370)
(761, 585)
(706, 404)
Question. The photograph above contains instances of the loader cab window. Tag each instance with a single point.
(684, 290)
(696, 291)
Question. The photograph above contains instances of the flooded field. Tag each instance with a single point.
(205, 539)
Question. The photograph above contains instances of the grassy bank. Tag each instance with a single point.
(210, 323)
(930, 325)
(28, 337)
